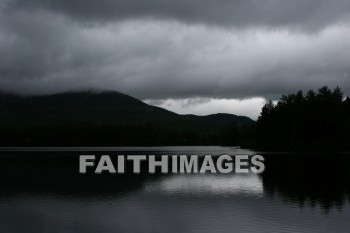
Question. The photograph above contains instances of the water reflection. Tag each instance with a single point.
(309, 179)
(207, 184)
(43, 192)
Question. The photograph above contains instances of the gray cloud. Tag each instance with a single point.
(172, 49)
(307, 14)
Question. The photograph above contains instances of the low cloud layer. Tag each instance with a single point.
(162, 50)
(205, 106)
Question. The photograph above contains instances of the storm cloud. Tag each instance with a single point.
(175, 50)
(311, 14)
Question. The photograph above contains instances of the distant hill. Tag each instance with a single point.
(106, 118)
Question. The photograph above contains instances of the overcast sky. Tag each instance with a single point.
(190, 56)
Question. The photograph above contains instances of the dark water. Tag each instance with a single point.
(42, 191)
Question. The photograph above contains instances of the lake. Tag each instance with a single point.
(42, 191)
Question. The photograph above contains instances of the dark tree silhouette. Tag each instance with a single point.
(311, 121)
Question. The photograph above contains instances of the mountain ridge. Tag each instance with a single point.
(102, 112)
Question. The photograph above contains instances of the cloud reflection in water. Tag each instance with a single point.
(207, 184)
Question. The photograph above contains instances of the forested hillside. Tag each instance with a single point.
(108, 119)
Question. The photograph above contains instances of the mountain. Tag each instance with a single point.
(110, 118)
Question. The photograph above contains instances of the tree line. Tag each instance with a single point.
(305, 121)
(296, 122)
